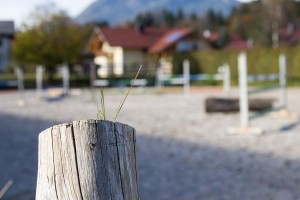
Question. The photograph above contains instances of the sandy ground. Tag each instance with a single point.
(183, 153)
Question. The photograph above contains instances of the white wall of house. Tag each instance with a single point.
(107, 48)
(4, 52)
(102, 61)
(118, 60)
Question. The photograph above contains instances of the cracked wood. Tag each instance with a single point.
(87, 159)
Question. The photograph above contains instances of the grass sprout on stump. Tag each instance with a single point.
(101, 110)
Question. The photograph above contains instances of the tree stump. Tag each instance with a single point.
(227, 105)
(87, 159)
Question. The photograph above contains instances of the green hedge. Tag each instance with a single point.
(260, 61)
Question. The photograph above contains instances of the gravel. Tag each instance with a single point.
(182, 152)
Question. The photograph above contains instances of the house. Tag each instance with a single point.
(289, 36)
(236, 42)
(6, 35)
(227, 41)
(121, 50)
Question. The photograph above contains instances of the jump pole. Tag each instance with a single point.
(224, 73)
(243, 90)
(243, 100)
(39, 81)
(186, 77)
(159, 75)
(283, 81)
(20, 77)
(66, 78)
(226, 78)
(283, 113)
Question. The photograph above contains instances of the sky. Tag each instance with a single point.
(18, 10)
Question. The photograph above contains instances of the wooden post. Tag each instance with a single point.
(87, 159)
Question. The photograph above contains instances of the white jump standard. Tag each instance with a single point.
(244, 105)
(277, 111)
(20, 77)
(39, 81)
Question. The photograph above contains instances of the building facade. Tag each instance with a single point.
(7, 32)
(120, 51)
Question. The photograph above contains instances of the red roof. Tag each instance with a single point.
(213, 37)
(169, 39)
(131, 38)
(289, 36)
(296, 36)
(152, 39)
(235, 42)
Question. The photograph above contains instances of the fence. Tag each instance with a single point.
(185, 78)
(39, 79)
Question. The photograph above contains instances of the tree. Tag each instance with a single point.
(248, 21)
(214, 20)
(180, 15)
(145, 19)
(169, 18)
(263, 20)
(49, 38)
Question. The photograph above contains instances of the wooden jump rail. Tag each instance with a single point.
(88, 159)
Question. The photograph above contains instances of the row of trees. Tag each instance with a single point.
(260, 20)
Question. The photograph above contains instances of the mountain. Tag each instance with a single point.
(117, 11)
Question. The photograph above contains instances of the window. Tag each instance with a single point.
(185, 46)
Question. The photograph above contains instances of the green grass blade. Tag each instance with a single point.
(124, 98)
(101, 112)
(102, 104)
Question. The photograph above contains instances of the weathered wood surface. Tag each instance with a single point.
(232, 104)
(88, 159)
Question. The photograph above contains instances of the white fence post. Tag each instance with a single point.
(186, 77)
(66, 76)
(20, 77)
(159, 77)
(39, 80)
(226, 78)
(282, 80)
(243, 88)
